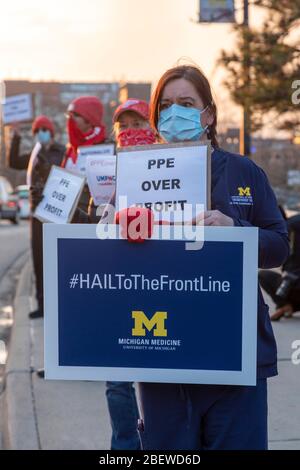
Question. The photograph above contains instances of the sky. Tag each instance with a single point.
(109, 40)
(104, 39)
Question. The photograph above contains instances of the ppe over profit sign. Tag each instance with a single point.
(165, 178)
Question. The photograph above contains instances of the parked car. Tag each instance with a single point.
(23, 195)
(9, 208)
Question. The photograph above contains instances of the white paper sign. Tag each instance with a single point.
(61, 194)
(91, 151)
(293, 178)
(165, 178)
(101, 177)
(97, 150)
(17, 108)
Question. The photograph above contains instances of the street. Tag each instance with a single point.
(284, 425)
(14, 243)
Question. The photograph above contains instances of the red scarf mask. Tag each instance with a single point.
(136, 137)
(77, 138)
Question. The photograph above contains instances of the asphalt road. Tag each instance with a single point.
(14, 241)
(14, 248)
(14, 244)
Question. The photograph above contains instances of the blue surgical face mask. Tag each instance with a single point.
(179, 123)
(43, 137)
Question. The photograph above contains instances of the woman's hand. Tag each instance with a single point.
(136, 223)
(213, 218)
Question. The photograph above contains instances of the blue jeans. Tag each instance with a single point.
(124, 415)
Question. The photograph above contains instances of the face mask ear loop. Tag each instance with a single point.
(203, 110)
(207, 130)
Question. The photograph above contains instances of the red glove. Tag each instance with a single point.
(136, 223)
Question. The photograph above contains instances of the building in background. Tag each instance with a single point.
(277, 157)
(141, 91)
(53, 98)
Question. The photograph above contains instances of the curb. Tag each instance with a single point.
(20, 430)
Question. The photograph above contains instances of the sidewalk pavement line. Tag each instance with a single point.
(32, 386)
(284, 440)
(24, 255)
(20, 429)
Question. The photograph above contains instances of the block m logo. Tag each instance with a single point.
(156, 323)
(244, 191)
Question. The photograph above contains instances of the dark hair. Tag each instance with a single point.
(200, 82)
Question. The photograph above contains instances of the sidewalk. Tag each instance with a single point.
(44, 414)
(284, 399)
(73, 415)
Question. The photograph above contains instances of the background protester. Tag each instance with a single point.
(38, 164)
(284, 288)
(131, 124)
(85, 127)
(130, 127)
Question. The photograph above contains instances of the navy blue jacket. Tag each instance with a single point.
(240, 189)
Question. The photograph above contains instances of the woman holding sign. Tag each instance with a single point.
(131, 127)
(177, 416)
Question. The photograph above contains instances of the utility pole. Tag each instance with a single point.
(2, 100)
(245, 132)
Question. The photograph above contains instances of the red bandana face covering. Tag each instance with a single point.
(77, 138)
(136, 137)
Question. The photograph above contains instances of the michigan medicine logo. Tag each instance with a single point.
(156, 323)
(244, 191)
(244, 196)
(149, 333)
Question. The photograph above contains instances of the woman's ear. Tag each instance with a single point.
(210, 116)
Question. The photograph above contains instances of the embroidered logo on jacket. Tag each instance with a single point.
(243, 197)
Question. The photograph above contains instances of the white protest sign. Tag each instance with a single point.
(293, 178)
(165, 178)
(90, 151)
(61, 194)
(101, 177)
(17, 108)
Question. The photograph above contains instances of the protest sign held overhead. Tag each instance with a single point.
(17, 108)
